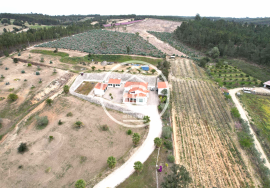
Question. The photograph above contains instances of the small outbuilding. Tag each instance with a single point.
(162, 86)
(100, 89)
(145, 67)
(266, 84)
(114, 82)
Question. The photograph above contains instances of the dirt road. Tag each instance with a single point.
(244, 116)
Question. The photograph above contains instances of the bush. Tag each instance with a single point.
(129, 132)
(235, 113)
(136, 138)
(69, 114)
(22, 148)
(78, 124)
(22, 71)
(37, 73)
(105, 127)
(168, 144)
(49, 102)
(166, 132)
(51, 138)
(15, 60)
(111, 161)
(42, 121)
(66, 89)
(12, 97)
(245, 140)
(60, 122)
(158, 142)
(29, 65)
(80, 184)
(42, 59)
(171, 158)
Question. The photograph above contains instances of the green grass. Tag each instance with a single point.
(47, 52)
(109, 58)
(39, 26)
(99, 58)
(261, 73)
(232, 77)
(258, 108)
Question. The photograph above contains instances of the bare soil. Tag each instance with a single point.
(154, 25)
(72, 154)
(22, 85)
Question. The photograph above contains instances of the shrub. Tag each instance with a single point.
(49, 102)
(245, 140)
(51, 62)
(129, 132)
(12, 97)
(6, 53)
(29, 65)
(168, 144)
(60, 122)
(37, 73)
(66, 89)
(51, 138)
(42, 59)
(138, 166)
(78, 124)
(111, 161)
(136, 138)
(22, 71)
(80, 184)
(235, 113)
(22, 148)
(158, 142)
(15, 60)
(42, 121)
(171, 158)
(69, 114)
(166, 132)
(105, 127)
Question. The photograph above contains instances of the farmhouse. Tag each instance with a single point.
(100, 89)
(135, 93)
(266, 84)
(114, 82)
(161, 87)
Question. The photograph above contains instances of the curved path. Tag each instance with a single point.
(142, 154)
(244, 116)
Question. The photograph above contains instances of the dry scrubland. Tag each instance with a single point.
(22, 85)
(154, 25)
(203, 130)
(72, 154)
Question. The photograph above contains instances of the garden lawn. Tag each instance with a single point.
(106, 42)
(258, 108)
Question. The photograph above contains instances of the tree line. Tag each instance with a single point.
(9, 40)
(232, 39)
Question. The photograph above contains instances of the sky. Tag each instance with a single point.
(228, 8)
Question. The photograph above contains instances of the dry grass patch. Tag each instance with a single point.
(86, 87)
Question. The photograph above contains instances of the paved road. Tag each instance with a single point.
(244, 116)
(123, 172)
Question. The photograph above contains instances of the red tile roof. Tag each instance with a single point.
(114, 81)
(137, 84)
(101, 86)
(140, 89)
(162, 85)
(126, 95)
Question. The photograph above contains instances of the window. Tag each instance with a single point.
(140, 100)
